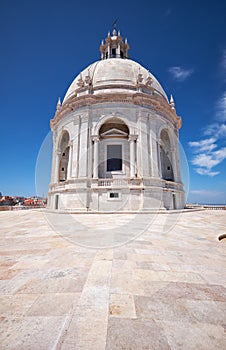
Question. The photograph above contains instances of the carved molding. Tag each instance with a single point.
(155, 102)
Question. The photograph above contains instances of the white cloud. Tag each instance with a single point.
(221, 107)
(208, 172)
(217, 130)
(207, 153)
(180, 73)
(220, 154)
(204, 192)
(204, 162)
(204, 145)
(210, 160)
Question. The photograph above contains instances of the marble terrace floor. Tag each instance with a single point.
(114, 282)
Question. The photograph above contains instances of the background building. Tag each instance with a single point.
(115, 139)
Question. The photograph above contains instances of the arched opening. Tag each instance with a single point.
(64, 156)
(114, 151)
(114, 124)
(165, 156)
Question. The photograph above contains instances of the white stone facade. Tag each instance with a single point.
(115, 140)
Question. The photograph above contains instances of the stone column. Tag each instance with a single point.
(118, 51)
(95, 157)
(53, 161)
(154, 155)
(53, 171)
(174, 164)
(75, 154)
(83, 146)
(69, 166)
(57, 163)
(144, 149)
(159, 158)
(154, 149)
(177, 158)
(109, 51)
(132, 156)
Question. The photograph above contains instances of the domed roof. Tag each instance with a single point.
(116, 79)
(114, 75)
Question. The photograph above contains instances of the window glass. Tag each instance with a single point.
(114, 195)
(114, 157)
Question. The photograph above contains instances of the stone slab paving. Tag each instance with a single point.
(164, 289)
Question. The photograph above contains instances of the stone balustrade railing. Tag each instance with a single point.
(118, 182)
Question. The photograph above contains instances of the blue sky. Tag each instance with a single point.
(45, 44)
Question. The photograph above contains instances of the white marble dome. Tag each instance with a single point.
(114, 74)
(115, 140)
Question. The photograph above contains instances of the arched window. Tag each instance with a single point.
(166, 157)
(64, 155)
(113, 136)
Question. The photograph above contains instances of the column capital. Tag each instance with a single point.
(133, 137)
(95, 138)
(143, 117)
(159, 141)
(76, 120)
(85, 117)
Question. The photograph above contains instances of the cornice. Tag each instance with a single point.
(155, 102)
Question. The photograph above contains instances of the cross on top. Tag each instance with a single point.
(114, 23)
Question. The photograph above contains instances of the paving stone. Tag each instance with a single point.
(129, 334)
(164, 290)
(194, 336)
(30, 333)
(53, 285)
(122, 305)
(61, 304)
(16, 305)
(87, 330)
(167, 309)
(7, 274)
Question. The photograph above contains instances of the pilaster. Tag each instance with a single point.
(95, 156)
(132, 139)
(83, 151)
(144, 156)
(69, 167)
(154, 162)
(57, 163)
